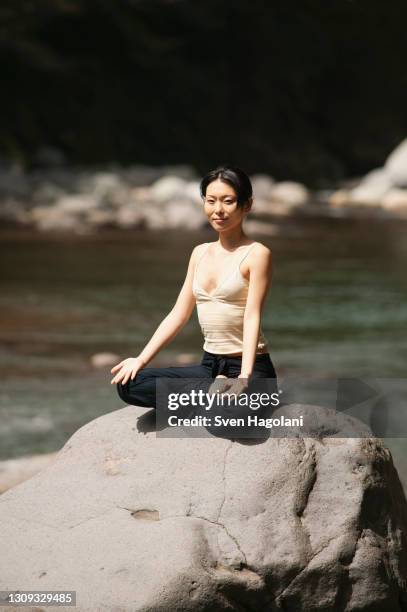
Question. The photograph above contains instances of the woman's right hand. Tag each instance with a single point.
(128, 368)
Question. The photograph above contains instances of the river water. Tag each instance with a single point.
(337, 306)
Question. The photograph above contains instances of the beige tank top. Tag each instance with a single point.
(221, 312)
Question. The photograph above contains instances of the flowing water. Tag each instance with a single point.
(337, 306)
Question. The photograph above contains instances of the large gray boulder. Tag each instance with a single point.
(136, 522)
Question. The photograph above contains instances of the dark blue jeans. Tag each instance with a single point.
(142, 390)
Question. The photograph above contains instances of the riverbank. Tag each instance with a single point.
(87, 200)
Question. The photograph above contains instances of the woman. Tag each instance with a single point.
(228, 281)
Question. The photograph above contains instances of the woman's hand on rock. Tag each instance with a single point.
(127, 368)
(238, 385)
(228, 386)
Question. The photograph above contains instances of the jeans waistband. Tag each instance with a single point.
(219, 362)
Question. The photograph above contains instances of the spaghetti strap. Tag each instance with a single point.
(246, 254)
(237, 269)
(201, 256)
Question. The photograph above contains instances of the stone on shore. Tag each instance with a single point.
(103, 360)
(167, 188)
(396, 165)
(382, 191)
(372, 188)
(135, 522)
(262, 186)
(290, 192)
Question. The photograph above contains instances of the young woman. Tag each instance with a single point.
(228, 281)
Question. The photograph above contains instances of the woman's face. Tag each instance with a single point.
(220, 205)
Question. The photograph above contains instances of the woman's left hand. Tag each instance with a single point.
(229, 386)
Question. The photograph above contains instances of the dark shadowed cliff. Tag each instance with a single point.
(307, 90)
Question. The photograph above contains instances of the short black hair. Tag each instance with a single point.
(232, 175)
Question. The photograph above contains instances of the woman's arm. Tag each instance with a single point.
(260, 267)
(169, 327)
(176, 318)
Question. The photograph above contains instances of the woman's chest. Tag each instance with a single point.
(216, 273)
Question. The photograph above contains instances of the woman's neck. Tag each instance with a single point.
(233, 239)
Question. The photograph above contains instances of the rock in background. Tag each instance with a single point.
(82, 201)
(383, 189)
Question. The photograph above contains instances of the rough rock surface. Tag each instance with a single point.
(136, 522)
(14, 471)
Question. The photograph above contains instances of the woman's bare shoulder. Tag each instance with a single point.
(198, 249)
(260, 250)
(260, 258)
